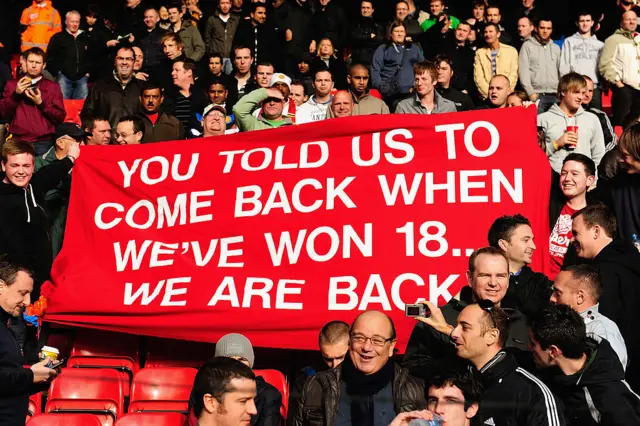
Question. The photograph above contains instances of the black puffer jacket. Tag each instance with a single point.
(69, 55)
(363, 46)
(268, 401)
(528, 292)
(321, 396)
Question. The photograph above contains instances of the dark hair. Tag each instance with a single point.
(504, 227)
(94, 11)
(491, 24)
(299, 83)
(188, 65)
(242, 46)
(325, 69)
(494, 6)
(215, 55)
(217, 81)
(333, 332)
(355, 65)
(392, 26)
(444, 58)
(544, 18)
(491, 251)
(214, 378)
(584, 13)
(9, 269)
(126, 47)
(150, 85)
(458, 374)
(138, 125)
(520, 94)
(15, 147)
(630, 140)
(89, 123)
(589, 165)
(35, 51)
(561, 326)
(496, 318)
(588, 275)
(254, 6)
(598, 214)
(265, 64)
(174, 5)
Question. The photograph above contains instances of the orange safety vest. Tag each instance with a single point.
(42, 23)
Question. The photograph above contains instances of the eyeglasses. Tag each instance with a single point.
(375, 340)
(488, 306)
(120, 58)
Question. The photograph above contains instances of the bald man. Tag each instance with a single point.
(499, 90)
(342, 104)
(367, 385)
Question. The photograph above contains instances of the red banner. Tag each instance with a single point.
(274, 233)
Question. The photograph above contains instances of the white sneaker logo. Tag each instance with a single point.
(490, 422)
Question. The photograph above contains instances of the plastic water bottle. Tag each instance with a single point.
(636, 241)
(437, 421)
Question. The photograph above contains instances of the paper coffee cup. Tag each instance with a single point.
(50, 352)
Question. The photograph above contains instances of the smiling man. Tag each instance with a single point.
(368, 385)
(514, 236)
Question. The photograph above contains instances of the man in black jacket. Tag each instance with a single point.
(367, 385)
(68, 60)
(366, 36)
(456, 47)
(261, 36)
(488, 277)
(117, 95)
(618, 262)
(294, 17)
(150, 41)
(514, 236)
(587, 374)
(329, 20)
(445, 76)
(16, 285)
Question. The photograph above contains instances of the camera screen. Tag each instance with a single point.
(413, 311)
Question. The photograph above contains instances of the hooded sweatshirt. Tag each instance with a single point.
(590, 136)
(581, 55)
(619, 60)
(25, 228)
(598, 393)
(538, 66)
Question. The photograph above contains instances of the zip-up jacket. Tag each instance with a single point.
(619, 60)
(512, 396)
(107, 98)
(69, 55)
(506, 64)
(25, 228)
(581, 55)
(597, 394)
(538, 65)
(387, 60)
(219, 34)
(41, 22)
(194, 48)
(30, 122)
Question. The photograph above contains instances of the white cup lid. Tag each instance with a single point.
(50, 349)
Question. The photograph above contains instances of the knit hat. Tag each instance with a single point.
(234, 344)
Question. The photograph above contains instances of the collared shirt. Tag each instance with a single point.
(413, 105)
(603, 327)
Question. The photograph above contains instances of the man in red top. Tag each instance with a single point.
(33, 105)
(577, 175)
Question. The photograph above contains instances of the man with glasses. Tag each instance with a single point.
(129, 131)
(272, 102)
(430, 343)
(367, 385)
(118, 95)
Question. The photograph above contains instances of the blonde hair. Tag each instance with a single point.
(333, 50)
(570, 83)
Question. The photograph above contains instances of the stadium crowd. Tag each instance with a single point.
(516, 348)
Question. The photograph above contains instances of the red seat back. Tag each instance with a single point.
(64, 420)
(73, 108)
(619, 130)
(152, 419)
(607, 102)
(162, 389)
(121, 348)
(277, 380)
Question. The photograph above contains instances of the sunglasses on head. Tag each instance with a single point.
(488, 306)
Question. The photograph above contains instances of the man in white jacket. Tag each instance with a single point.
(315, 109)
(569, 128)
(581, 53)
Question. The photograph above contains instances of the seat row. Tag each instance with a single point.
(133, 419)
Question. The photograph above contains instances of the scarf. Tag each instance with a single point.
(362, 387)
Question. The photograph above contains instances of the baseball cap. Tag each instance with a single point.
(72, 130)
(214, 107)
(280, 78)
(235, 344)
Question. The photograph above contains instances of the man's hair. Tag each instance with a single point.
(545, 18)
(36, 51)
(355, 65)
(188, 65)
(89, 123)
(561, 326)
(491, 251)
(214, 378)
(630, 141)
(496, 319)
(443, 58)
(217, 81)
(322, 70)
(571, 82)
(528, 19)
(172, 37)
(127, 47)
(265, 63)
(456, 373)
(254, 6)
(72, 12)
(504, 227)
(426, 66)
(583, 13)
(9, 269)
(588, 275)
(301, 84)
(520, 94)
(239, 47)
(150, 85)
(174, 5)
(138, 125)
(94, 11)
(215, 55)
(367, 1)
(494, 6)
(14, 147)
(466, 23)
(391, 324)
(333, 332)
(495, 26)
(598, 214)
(589, 165)
(442, 2)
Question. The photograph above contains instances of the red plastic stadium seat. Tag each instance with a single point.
(177, 353)
(618, 130)
(64, 420)
(14, 63)
(73, 108)
(277, 380)
(162, 389)
(606, 102)
(152, 419)
(91, 391)
(35, 404)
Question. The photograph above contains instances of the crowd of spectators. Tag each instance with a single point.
(516, 348)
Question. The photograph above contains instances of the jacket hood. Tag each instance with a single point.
(9, 189)
(620, 252)
(535, 39)
(555, 109)
(624, 33)
(602, 366)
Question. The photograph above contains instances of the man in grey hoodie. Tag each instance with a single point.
(538, 66)
(581, 54)
(568, 127)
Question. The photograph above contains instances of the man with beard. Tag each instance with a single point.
(363, 102)
(158, 126)
(117, 95)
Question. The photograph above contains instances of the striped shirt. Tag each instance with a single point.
(182, 110)
(494, 62)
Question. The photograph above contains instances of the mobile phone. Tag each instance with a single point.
(417, 310)
(55, 364)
